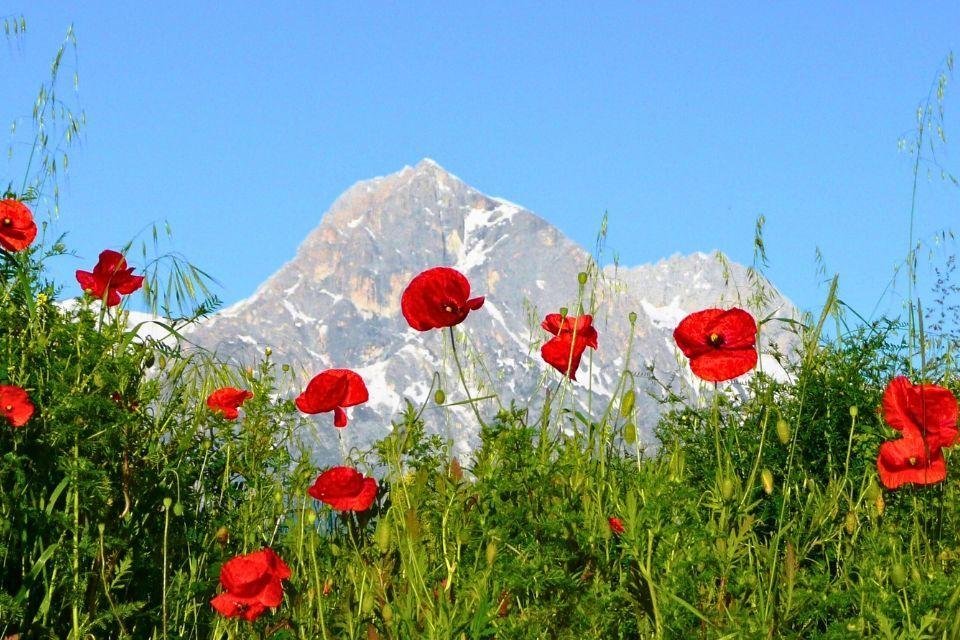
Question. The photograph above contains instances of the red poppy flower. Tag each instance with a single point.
(909, 459)
(226, 400)
(344, 489)
(111, 277)
(573, 334)
(926, 411)
(332, 390)
(251, 584)
(721, 345)
(616, 525)
(15, 405)
(17, 228)
(438, 297)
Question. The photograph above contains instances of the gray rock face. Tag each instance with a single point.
(336, 304)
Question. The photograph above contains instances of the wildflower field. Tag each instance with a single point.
(150, 491)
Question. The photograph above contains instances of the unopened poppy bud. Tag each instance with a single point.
(582, 277)
(898, 575)
(564, 311)
(167, 502)
(366, 606)
(383, 535)
(222, 536)
(285, 367)
(386, 612)
(632, 317)
(178, 509)
(783, 431)
(627, 402)
(766, 477)
(439, 396)
(854, 411)
(162, 363)
(629, 433)
(268, 352)
(491, 552)
(850, 523)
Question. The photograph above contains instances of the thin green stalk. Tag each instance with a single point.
(463, 378)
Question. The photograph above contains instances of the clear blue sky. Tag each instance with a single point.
(240, 124)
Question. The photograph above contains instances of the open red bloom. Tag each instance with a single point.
(344, 489)
(111, 277)
(573, 334)
(909, 459)
(226, 400)
(251, 584)
(15, 405)
(721, 344)
(926, 411)
(332, 390)
(17, 228)
(616, 525)
(438, 297)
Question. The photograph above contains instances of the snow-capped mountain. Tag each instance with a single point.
(336, 304)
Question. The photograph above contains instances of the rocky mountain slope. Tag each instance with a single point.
(337, 304)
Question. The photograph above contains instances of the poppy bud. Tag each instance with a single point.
(167, 502)
(564, 311)
(268, 352)
(491, 552)
(178, 509)
(285, 367)
(783, 431)
(627, 402)
(854, 411)
(366, 606)
(850, 523)
(383, 535)
(439, 396)
(726, 488)
(766, 477)
(162, 363)
(222, 536)
(386, 612)
(898, 575)
(582, 277)
(629, 433)
(632, 317)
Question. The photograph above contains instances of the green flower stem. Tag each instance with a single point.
(463, 378)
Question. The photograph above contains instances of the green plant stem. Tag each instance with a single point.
(463, 378)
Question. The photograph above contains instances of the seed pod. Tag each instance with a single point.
(766, 477)
(491, 552)
(178, 509)
(167, 502)
(627, 402)
(582, 277)
(854, 411)
(268, 352)
(439, 396)
(285, 367)
(629, 433)
(222, 536)
(386, 612)
(632, 317)
(783, 431)
(563, 311)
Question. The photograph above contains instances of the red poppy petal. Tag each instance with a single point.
(896, 406)
(325, 392)
(129, 284)
(272, 593)
(475, 303)
(227, 605)
(690, 334)
(356, 389)
(437, 298)
(15, 405)
(339, 418)
(718, 365)
(905, 461)
(87, 281)
(938, 406)
(588, 336)
(563, 355)
(245, 576)
(552, 323)
(344, 489)
(737, 327)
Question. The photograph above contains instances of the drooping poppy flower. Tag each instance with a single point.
(251, 584)
(333, 390)
(110, 277)
(15, 405)
(437, 298)
(344, 489)
(226, 400)
(573, 334)
(17, 228)
(721, 344)
(910, 460)
(927, 411)
(616, 525)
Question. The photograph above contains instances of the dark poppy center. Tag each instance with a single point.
(7, 222)
(451, 307)
(715, 340)
(912, 461)
(9, 407)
